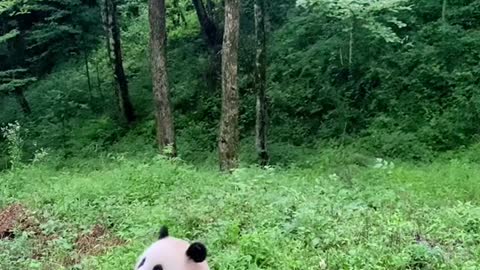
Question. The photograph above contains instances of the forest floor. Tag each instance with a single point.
(337, 211)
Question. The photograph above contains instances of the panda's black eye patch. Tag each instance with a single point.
(142, 263)
(158, 267)
(197, 252)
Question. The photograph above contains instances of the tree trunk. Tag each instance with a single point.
(87, 73)
(161, 96)
(341, 56)
(22, 101)
(260, 83)
(350, 44)
(210, 7)
(229, 134)
(212, 35)
(105, 20)
(444, 11)
(99, 83)
(209, 28)
(125, 105)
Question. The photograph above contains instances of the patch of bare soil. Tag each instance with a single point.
(16, 217)
(97, 241)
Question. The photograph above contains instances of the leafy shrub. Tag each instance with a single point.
(12, 133)
(385, 139)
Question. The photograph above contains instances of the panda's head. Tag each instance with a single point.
(169, 253)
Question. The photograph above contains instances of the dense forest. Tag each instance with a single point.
(351, 124)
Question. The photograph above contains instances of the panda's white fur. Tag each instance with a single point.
(170, 253)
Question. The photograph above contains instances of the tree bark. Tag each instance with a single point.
(161, 96)
(209, 28)
(350, 44)
(22, 101)
(106, 28)
(444, 11)
(99, 83)
(229, 134)
(260, 83)
(210, 7)
(213, 38)
(87, 73)
(125, 105)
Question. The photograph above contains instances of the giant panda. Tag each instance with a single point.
(170, 253)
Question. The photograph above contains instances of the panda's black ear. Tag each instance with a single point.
(163, 232)
(197, 252)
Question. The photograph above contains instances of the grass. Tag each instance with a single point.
(326, 213)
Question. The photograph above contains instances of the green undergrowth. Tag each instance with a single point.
(335, 210)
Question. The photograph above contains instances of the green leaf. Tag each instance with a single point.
(16, 83)
(13, 33)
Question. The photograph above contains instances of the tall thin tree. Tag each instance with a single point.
(212, 33)
(209, 28)
(87, 74)
(260, 83)
(103, 6)
(229, 134)
(161, 95)
(444, 11)
(125, 105)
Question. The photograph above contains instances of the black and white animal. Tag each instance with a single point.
(169, 253)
